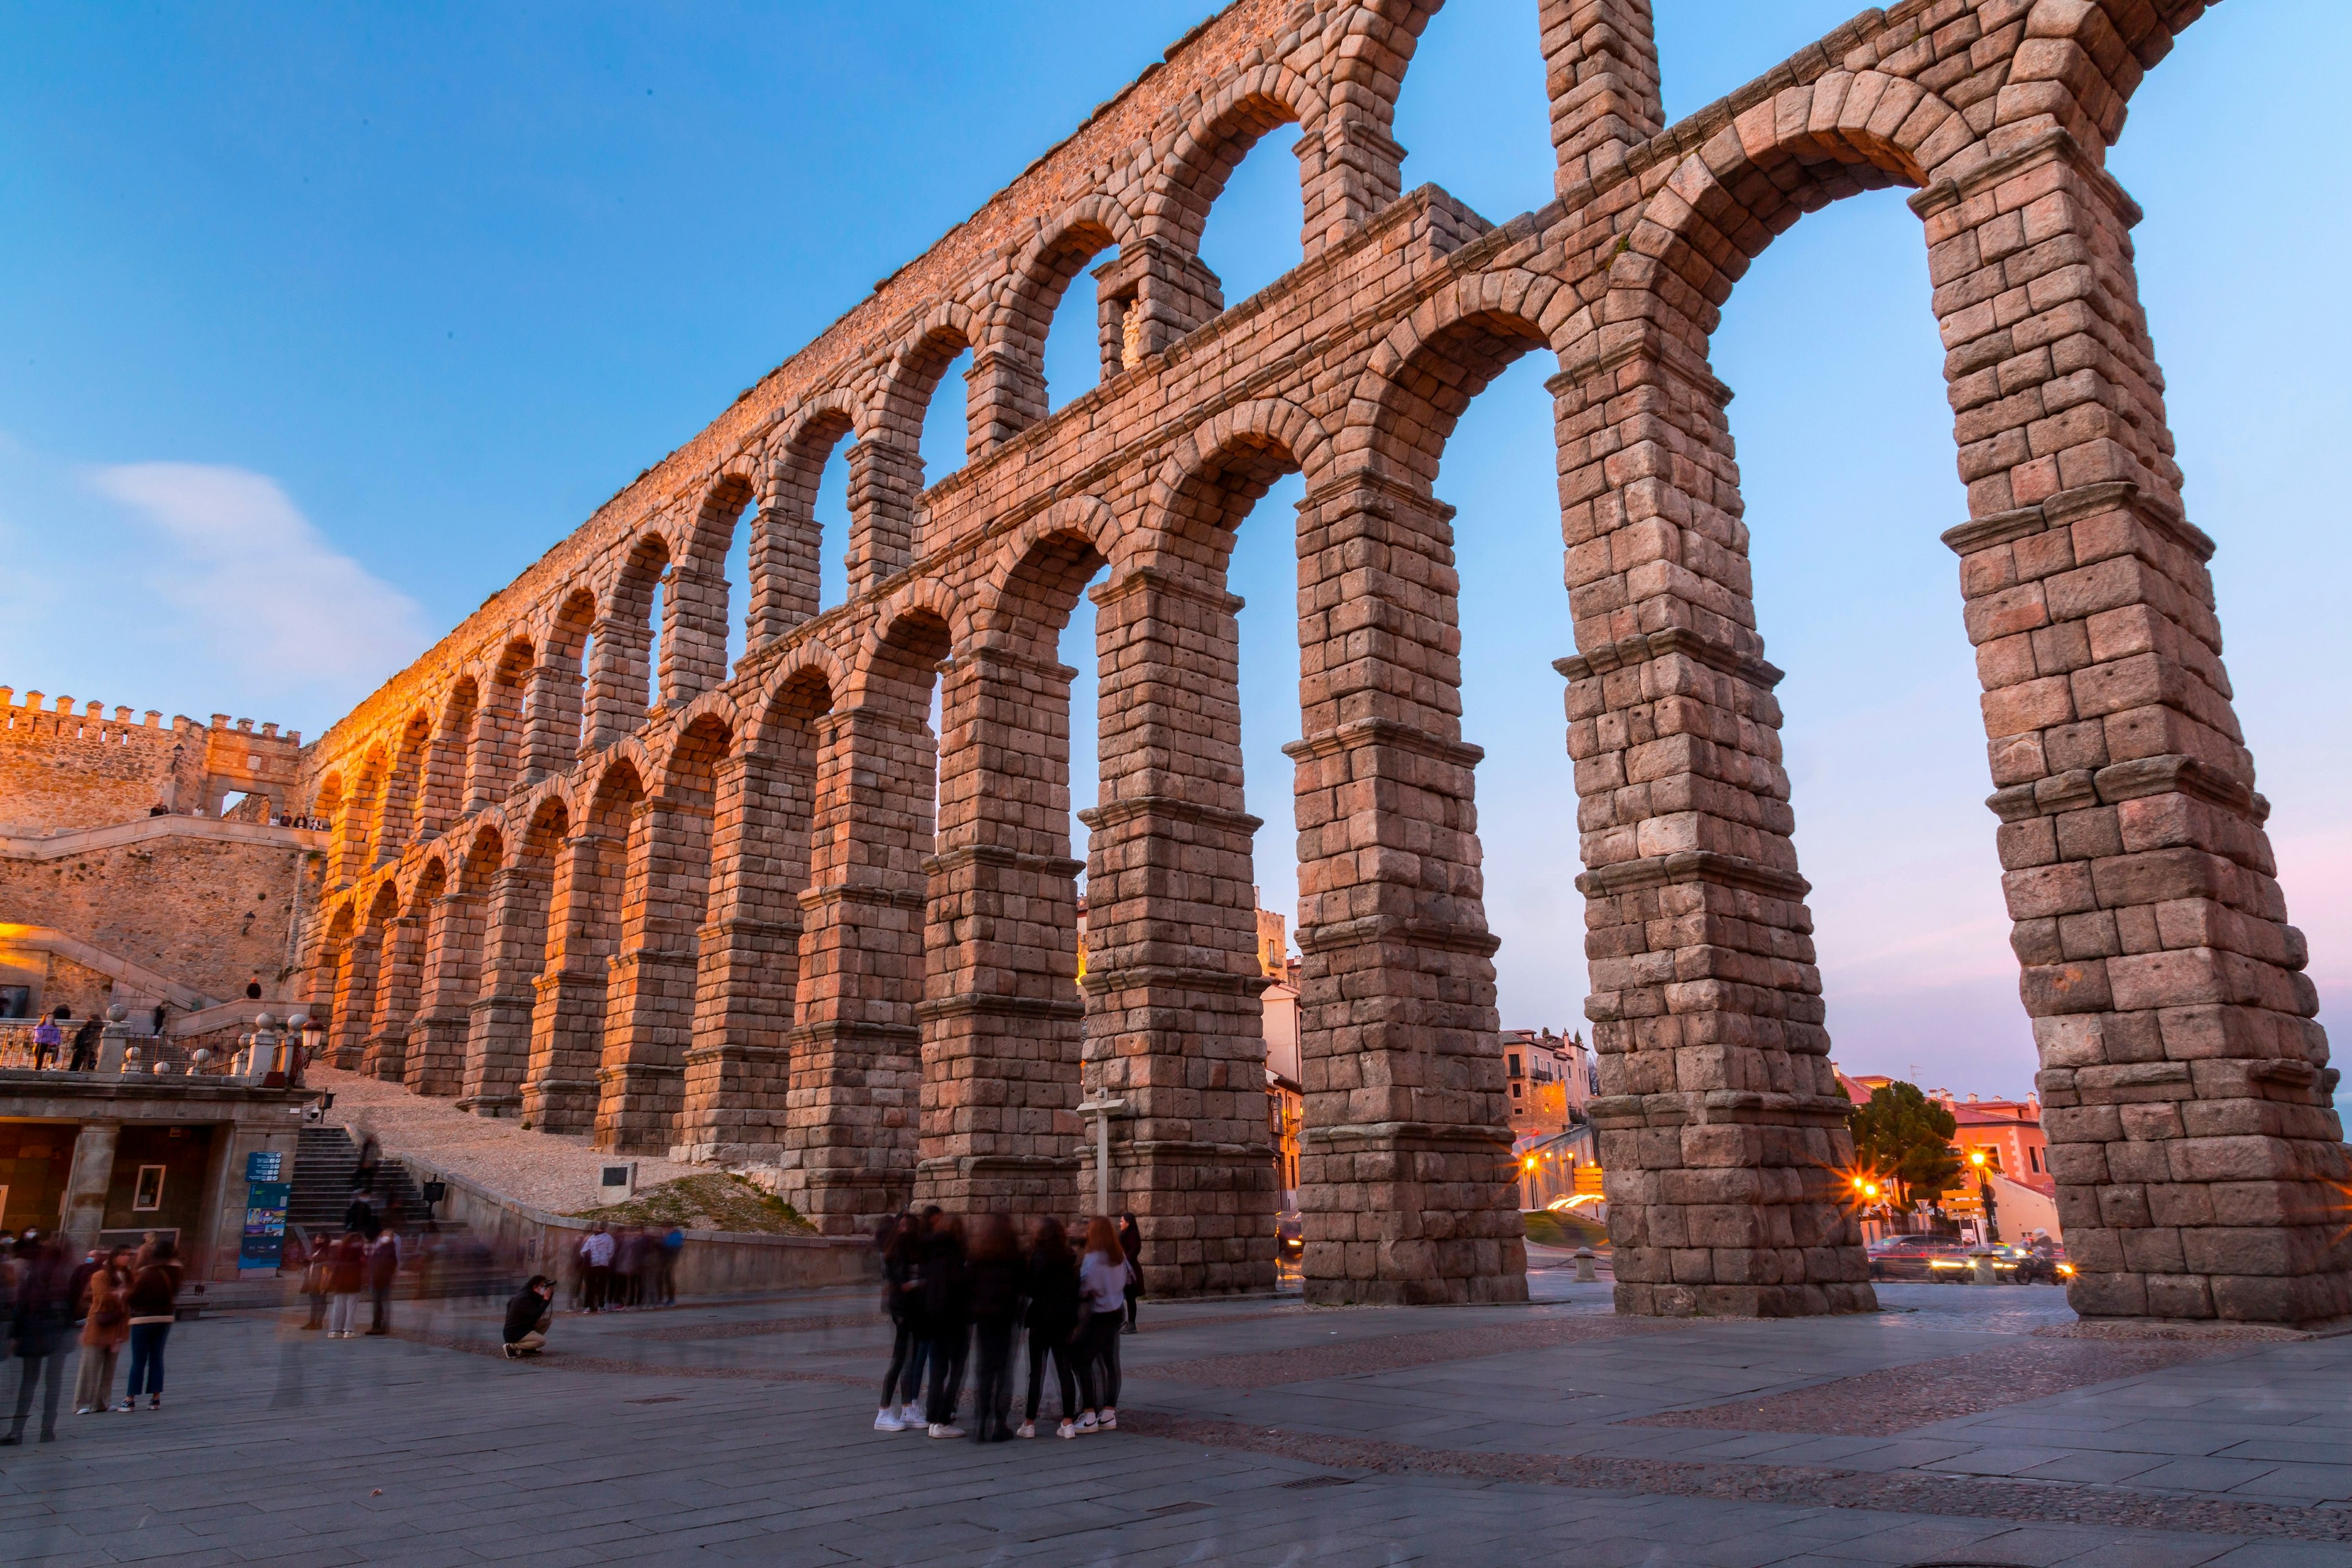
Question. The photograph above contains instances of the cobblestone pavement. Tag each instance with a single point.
(741, 1433)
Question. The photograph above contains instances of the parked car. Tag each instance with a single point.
(1289, 1237)
(1915, 1258)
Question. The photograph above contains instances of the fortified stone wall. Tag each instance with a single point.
(62, 769)
(766, 914)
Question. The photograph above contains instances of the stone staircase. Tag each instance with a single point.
(326, 1171)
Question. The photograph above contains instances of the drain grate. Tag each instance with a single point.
(1304, 1482)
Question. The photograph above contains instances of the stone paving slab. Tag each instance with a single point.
(685, 1436)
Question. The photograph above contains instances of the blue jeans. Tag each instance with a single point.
(147, 1358)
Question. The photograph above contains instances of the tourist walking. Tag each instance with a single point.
(1051, 1285)
(1102, 1303)
(383, 1274)
(902, 1298)
(629, 1269)
(313, 1256)
(37, 1331)
(947, 1317)
(995, 1271)
(1130, 1243)
(529, 1316)
(106, 1324)
(346, 1276)
(666, 1256)
(152, 1302)
(596, 1260)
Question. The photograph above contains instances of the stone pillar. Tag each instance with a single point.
(83, 1214)
(493, 753)
(884, 480)
(499, 1016)
(784, 570)
(551, 726)
(2186, 1096)
(1169, 290)
(649, 1016)
(567, 1024)
(617, 680)
(355, 995)
(1001, 1015)
(850, 1118)
(1721, 1127)
(738, 1067)
(1406, 1181)
(1173, 1029)
(436, 1062)
(693, 631)
(386, 1052)
(1601, 69)
(1352, 168)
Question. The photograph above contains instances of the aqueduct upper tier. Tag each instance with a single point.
(767, 914)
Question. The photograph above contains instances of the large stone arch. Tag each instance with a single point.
(1009, 367)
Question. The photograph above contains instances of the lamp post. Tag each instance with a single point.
(1984, 1196)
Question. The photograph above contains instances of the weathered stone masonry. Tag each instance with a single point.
(773, 919)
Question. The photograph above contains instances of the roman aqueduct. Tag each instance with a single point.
(726, 922)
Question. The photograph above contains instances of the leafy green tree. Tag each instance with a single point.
(1906, 1137)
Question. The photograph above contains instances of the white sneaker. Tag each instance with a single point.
(947, 1430)
(1086, 1423)
(910, 1415)
(1028, 1429)
(1109, 1421)
(1069, 1428)
(886, 1420)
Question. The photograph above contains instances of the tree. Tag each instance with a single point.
(1907, 1137)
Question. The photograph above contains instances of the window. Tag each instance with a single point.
(1514, 1089)
(148, 1196)
(1515, 1067)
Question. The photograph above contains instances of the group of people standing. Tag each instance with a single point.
(633, 1269)
(113, 1297)
(946, 1292)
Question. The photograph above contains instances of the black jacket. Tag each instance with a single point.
(43, 1313)
(996, 1289)
(900, 1270)
(947, 1284)
(1052, 1287)
(524, 1312)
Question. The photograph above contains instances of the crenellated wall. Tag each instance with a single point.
(775, 918)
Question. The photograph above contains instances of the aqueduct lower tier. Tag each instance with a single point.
(733, 925)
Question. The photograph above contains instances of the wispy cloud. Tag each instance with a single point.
(254, 581)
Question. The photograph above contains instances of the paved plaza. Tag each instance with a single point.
(1943, 1430)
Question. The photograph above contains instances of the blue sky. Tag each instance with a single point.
(323, 321)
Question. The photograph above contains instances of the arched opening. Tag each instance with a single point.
(1088, 334)
(702, 639)
(1473, 115)
(556, 730)
(569, 1025)
(499, 1045)
(800, 555)
(944, 438)
(1242, 205)
(404, 790)
(356, 834)
(444, 767)
(495, 758)
(737, 1080)
(664, 894)
(400, 955)
(621, 676)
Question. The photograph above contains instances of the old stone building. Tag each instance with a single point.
(585, 873)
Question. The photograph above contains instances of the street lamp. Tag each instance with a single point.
(1984, 1196)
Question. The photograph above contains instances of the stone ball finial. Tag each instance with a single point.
(116, 1013)
(264, 1021)
(299, 1022)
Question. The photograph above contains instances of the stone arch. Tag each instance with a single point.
(620, 677)
(1433, 364)
(790, 694)
(787, 543)
(922, 616)
(1029, 584)
(356, 834)
(1009, 371)
(1217, 472)
(1214, 141)
(485, 852)
(404, 786)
